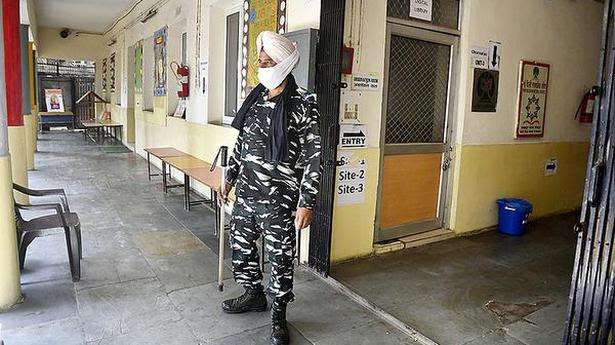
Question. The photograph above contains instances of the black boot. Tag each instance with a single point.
(252, 300)
(279, 328)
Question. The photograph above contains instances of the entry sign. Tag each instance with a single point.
(353, 136)
(421, 9)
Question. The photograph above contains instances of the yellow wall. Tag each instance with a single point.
(17, 149)
(490, 172)
(82, 47)
(353, 225)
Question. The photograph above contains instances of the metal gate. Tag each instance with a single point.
(590, 303)
(328, 76)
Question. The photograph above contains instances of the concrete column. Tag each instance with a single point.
(28, 117)
(10, 290)
(12, 73)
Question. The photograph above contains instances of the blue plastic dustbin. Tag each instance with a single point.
(512, 215)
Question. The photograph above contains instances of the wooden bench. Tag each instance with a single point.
(160, 153)
(101, 128)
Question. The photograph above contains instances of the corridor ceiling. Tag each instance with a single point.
(83, 15)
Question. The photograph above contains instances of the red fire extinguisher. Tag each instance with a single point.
(181, 74)
(585, 112)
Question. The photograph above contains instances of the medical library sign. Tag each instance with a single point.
(532, 103)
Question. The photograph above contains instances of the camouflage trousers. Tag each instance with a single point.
(250, 220)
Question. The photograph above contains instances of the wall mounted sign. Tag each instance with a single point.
(112, 72)
(203, 72)
(495, 55)
(480, 57)
(139, 67)
(421, 9)
(351, 179)
(160, 62)
(485, 90)
(365, 83)
(258, 16)
(353, 136)
(532, 103)
(103, 77)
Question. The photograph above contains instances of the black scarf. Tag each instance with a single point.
(277, 142)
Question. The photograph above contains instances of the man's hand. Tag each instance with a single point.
(223, 194)
(303, 218)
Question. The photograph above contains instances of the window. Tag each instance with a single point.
(231, 87)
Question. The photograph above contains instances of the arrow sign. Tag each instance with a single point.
(353, 135)
(495, 52)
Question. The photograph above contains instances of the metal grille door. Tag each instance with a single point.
(592, 292)
(328, 75)
(417, 94)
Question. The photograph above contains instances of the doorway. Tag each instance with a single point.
(415, 131)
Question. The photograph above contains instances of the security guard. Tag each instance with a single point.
(275, 168)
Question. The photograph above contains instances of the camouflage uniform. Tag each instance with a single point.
(268, 193)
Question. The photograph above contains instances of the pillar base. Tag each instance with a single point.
(29, 125)
(19, 166)
(10, 289)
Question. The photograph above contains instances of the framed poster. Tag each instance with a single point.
(532, 103)
(258, 16)
(103, 76)
(112, 72)
(485, 90)
(54, 100)
(139, 67)
(160, 62)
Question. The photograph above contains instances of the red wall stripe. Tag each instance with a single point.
(12, 61)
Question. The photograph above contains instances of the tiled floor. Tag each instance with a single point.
(442, 289)
(148, 277)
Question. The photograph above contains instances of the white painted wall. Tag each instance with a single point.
(564, 34)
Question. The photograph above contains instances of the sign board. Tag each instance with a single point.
(203, 71)
(54, 100)
(353, 136)
(351, 179)
(495, 53)
(180, 111)
(480, 57)
(485, 90)
(421, 9)
(532, 103)
(365, 83)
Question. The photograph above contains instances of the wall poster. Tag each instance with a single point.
(160, 62)
(532, 103)
(112, 72)
(103, 76)
(54, 100)
(139, 67)
(258, 16)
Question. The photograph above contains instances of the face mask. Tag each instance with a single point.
(272, 77)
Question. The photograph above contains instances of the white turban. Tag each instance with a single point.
(275, 45)
(281, 50)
